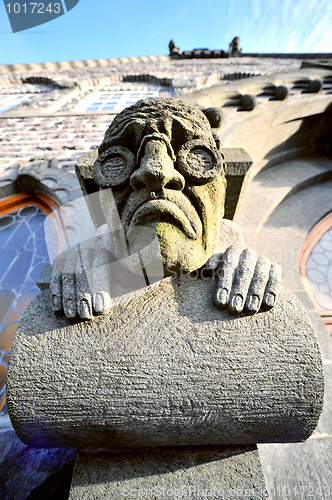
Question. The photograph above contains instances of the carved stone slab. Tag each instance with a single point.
(167, 369)
(193, 472)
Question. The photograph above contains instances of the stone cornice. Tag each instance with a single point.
(89, 63)
(11, 68)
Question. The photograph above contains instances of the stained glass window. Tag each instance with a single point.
(23, 255)
(317, 267)
(319, 271)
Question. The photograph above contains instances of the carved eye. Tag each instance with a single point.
(113, 167)
(199, 161)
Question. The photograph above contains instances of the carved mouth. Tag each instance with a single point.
(162, 210)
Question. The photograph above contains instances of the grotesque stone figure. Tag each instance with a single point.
(167, 368)
(173, 50)
(161, 165)
(234, 47)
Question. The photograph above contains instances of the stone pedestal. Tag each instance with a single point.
(162, 473)
(167, 369)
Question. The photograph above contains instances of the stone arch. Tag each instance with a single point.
(46, 178)
(306, 251)
(39, 175)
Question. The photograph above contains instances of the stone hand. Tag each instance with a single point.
(246, 281)
(77, 277)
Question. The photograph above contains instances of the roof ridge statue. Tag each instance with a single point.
(234, 47)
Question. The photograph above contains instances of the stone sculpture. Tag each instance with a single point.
(173, 50)
(234, 47)
(164, 167)
(167, 368)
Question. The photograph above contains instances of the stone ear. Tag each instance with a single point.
(88, 185)
(217, 141)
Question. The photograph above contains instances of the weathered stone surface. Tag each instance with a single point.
(177, 473)
(237, 163)
(285, 217)
(166, 369)
(165, 168)
(299, 470)
(43, 280)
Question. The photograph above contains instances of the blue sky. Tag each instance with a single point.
(111, 28)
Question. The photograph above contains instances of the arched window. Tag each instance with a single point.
(23, 256)
(315, 260)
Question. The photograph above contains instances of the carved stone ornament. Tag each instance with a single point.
(161, 177)
(161, 364)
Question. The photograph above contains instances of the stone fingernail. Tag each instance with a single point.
(84, 309)
(223, 296)
(253, 303)
(99, 302)
(270, 299)
(56, 303)
(237, 303)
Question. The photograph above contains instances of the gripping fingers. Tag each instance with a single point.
(272, 287)
(83, 281)
(56, 282)
(101, 284)
(56, 290)
(242, 280)
(228, 264)
(69, 285)
(258, 285)
(102, 302)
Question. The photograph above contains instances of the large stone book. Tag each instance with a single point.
(165, 368)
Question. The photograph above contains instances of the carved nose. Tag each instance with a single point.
(156, 170)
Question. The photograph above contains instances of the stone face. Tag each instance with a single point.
(166, 171)
(177, 473)
(237, 164)
(166, 369)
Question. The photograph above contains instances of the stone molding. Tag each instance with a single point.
(53, 66)
(40, 175)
